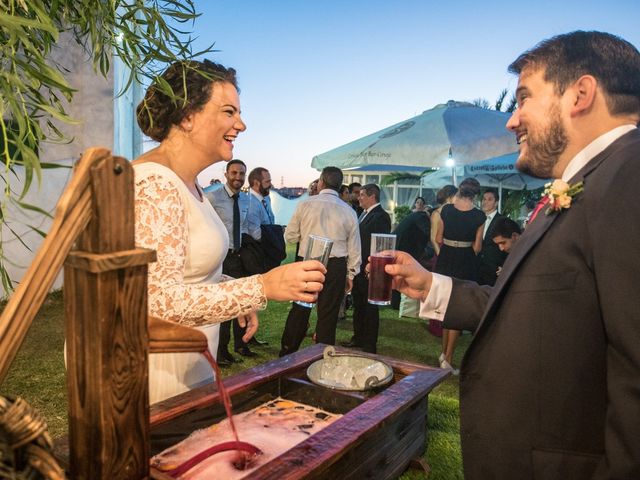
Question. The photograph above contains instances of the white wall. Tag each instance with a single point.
(93, 107)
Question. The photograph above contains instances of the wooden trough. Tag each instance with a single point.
(380, 433)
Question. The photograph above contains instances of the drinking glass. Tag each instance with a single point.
(318, 248)
(379, 280)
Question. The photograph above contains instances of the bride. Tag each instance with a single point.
(186, 285)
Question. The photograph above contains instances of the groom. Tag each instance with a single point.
(550, 385)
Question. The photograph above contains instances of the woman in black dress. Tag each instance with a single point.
(460, 236)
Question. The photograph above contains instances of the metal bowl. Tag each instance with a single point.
(366, 373)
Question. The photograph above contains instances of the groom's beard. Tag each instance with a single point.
(544, 145)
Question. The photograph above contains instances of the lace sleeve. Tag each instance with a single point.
(161, 225)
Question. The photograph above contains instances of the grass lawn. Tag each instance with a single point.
(38, 373)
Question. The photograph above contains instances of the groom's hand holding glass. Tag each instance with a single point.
(408, 276)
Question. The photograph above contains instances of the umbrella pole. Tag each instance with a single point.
(500, 197)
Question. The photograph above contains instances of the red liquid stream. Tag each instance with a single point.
(379, 280)
(246, 451)
(226, 399)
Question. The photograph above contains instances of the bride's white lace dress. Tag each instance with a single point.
(186, 284)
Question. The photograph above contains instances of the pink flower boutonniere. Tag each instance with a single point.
(559, 195)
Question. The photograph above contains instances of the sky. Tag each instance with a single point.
(315, 75)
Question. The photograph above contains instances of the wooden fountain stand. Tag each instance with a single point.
(105, 291)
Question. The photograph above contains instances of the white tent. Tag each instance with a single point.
(456, 131)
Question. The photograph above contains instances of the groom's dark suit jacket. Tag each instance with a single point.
(550, 385)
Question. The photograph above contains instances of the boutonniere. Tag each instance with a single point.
(559, 194)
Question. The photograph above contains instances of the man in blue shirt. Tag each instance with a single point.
(232, 206)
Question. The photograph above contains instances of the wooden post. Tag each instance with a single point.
(105, 285)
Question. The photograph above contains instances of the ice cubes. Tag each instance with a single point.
(336, 373)
(351, 373)
(375, 370)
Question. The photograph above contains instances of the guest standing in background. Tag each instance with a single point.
(412, 236)
(345, 196)
(324, 215)
(505, 234)
(354, 191)
(344, 193)
(460, 234)
(313, 188)
(232, 206)
(490, 257)
(259, 214)
(366, 317)
(419, 205)
(443, 197)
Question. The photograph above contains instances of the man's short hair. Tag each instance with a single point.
(505, 227)
(353, 185)
(372, 189)
(494, 192)
(332, 178)
(233, 162)
(256, 175)
(612, 61)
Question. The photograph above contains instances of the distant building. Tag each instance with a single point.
(290, 192)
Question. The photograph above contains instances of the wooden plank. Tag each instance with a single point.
(104, 262)
(386, 452)
(107, 341)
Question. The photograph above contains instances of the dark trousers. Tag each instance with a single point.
(328, 307)
(231, 266)
(366, 317)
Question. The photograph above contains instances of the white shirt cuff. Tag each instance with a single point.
(435, 305)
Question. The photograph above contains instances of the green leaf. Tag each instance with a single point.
(13, 22)
(33, 208)
(49, 165)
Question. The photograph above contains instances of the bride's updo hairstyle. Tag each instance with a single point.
(185, 87)
(469, 188)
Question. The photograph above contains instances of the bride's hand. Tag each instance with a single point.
(250, 321)
(295, 281)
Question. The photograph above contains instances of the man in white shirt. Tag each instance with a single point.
(327, 216)
(490, 258)
(549, 386)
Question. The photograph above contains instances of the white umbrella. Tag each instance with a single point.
(502, 172)
(468, 132)
(498, 172)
